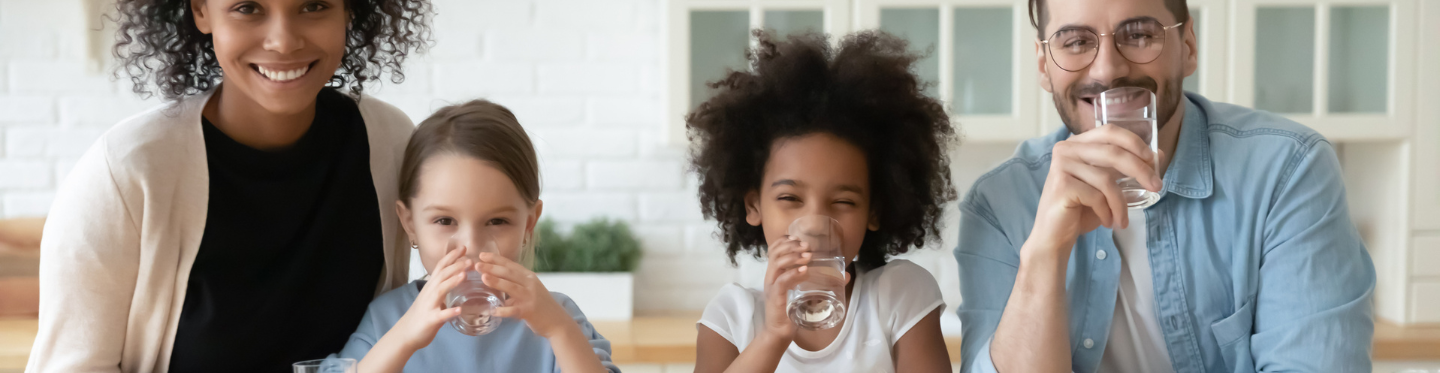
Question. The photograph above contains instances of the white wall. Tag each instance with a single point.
(584, 76)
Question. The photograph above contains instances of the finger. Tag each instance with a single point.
(792, 260)
(455, 267)
(792, 277)
(445, 315)
(778, 264)
(1101, 180)
(1121, 137)
(514, 289)
(507, 311)
(450, 257)
(433, 294)
(434, 291)
(1095, 201)
(512, 270)
(786, 245)
(450, 283)
(1106, 155)
(494, 258)
(507, 272)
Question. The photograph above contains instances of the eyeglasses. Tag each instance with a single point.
(1139, 41)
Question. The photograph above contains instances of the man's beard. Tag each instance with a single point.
(1167, 104)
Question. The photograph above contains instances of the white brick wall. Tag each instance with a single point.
(583, 76)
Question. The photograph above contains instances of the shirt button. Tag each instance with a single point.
(1089, 343)
(1100, 254)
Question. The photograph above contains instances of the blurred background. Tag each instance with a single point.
(602, 84)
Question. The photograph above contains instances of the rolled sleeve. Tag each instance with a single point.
(988, 264)
(1313, 304)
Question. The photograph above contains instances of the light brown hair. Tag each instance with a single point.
(480, 129)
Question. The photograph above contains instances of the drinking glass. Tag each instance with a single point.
(819, 302)
(324, 366)
(476, 300)
(1132, 108)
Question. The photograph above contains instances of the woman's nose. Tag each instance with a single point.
(281, 36)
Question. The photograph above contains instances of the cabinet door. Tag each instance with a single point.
(980, 61)
(1426, 167)
(1345, 68)
(709, 37)
(1210, 19)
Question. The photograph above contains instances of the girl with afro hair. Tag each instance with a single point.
(246, 223)
(845, 133)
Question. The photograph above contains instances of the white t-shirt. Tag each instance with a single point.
(885, 303)
(1136, 344)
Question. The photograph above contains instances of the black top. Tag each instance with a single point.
(292, 251)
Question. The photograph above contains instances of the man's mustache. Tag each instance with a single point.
(1094, 88)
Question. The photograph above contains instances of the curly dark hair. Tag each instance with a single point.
(157, 42)
(864, 93)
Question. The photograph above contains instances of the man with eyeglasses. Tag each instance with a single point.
(1248, 262)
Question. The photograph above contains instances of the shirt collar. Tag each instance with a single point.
(1191, 172)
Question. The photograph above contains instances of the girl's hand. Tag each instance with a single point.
(527, 298)
(418, 326)
(788, 267)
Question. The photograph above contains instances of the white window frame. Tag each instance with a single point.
(1023, 120)
(677, 24)
(1211, 41)
(1394, 124)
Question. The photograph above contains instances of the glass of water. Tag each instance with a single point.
(1132, 108)
(819, 303)
(324, 366)
(476, 300)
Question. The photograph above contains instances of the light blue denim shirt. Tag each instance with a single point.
(1255, 263)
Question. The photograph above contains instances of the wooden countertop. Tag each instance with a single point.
(671, 339)
(1416, 342)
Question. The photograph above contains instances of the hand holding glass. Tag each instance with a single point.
(1132, 108)
(476, 300)
(819, 302)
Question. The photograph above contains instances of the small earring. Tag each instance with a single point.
(413, 246)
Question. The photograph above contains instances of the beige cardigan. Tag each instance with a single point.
(126, 224)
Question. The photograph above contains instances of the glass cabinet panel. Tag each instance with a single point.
(983, 61)
(1359, 59)
(922, 28)
(718, 39)
(1192, 82)
(786, 22)
(1285, 59)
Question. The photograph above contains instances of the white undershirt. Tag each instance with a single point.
(1136, 342)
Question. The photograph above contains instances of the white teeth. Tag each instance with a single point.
(283, 76)
(1116, 100)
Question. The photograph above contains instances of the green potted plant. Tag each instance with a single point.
(592, 265)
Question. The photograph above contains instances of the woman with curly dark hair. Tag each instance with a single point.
(844, 135)
(245, 224)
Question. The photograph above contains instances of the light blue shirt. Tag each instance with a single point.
(510, 348)
(1255, 263)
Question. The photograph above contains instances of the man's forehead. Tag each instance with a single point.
(1102, 14)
